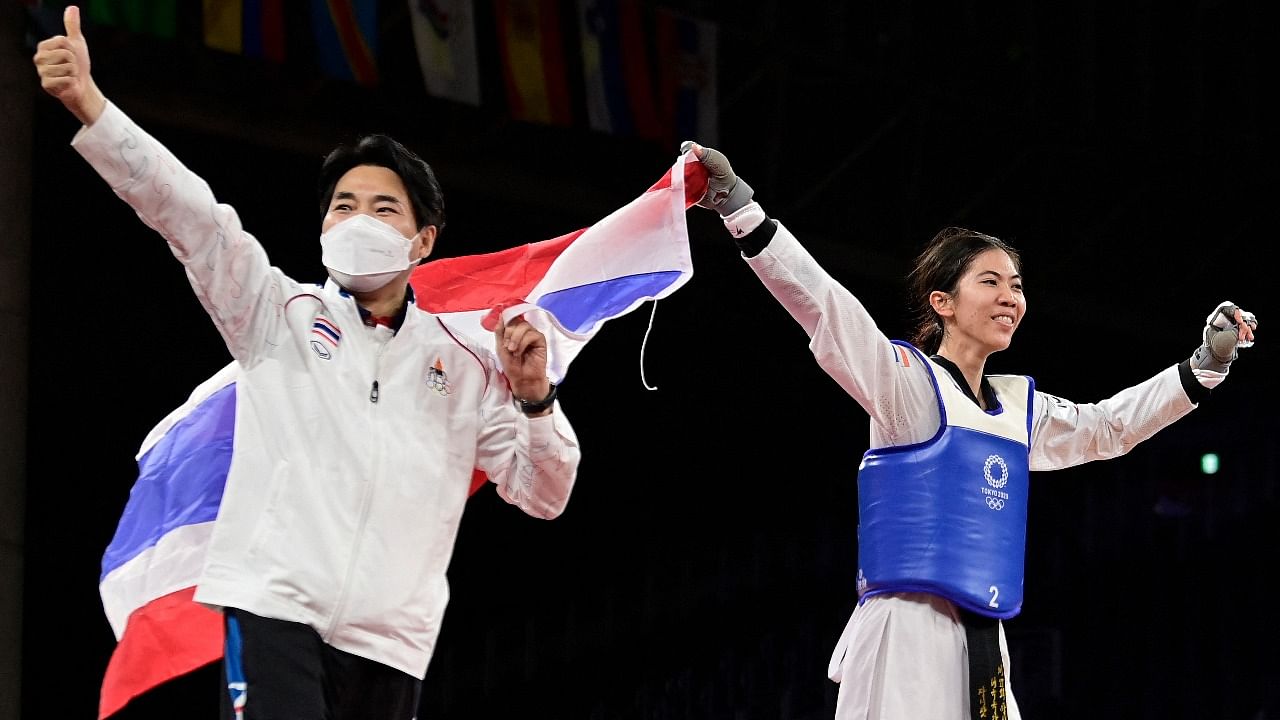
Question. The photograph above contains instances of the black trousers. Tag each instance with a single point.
(280, 670)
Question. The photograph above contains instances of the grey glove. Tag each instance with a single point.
(1220, 340)
(726, 192)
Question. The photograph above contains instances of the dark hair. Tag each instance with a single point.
(384, 151)
(939, 267)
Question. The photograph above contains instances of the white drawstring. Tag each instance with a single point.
(644, 342)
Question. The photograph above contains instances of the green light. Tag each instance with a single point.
(1209, 463)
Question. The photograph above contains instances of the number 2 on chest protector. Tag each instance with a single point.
(995, 593)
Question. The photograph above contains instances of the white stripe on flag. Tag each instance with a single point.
(172, 564)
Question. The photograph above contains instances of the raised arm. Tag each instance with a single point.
(890, 382)
(1067, 434)
(226, 266)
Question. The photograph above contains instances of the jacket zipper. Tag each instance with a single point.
(366, 501)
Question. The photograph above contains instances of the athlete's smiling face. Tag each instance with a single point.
(986, 306)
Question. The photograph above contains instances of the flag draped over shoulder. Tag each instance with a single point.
(568, 287)
(149, 569)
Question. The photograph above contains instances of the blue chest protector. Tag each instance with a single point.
(949, 516)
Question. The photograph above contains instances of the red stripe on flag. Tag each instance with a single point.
(481, 282)
(169, 636)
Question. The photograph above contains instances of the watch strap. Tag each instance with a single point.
(533, 407)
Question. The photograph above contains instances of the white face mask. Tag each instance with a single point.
(363, 253)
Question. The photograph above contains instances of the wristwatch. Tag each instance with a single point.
(533, 407)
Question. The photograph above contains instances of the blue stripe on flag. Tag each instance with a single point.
(579, 308)
(180, 479)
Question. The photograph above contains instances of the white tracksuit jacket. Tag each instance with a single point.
(338, 512)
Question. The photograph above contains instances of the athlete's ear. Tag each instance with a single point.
(941, 303)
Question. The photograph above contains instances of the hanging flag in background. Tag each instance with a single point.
(688, 99)
(150, 17)
(615, 67)
(569, 285)
(346, 34)
(221, 25)
(444, 34)
(254, 28)
(533, 62)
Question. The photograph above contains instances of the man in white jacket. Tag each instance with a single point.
(360, 418)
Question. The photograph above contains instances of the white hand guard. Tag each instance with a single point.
(1219, 343)
(726, 192)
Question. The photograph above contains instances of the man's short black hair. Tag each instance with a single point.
(384, 151)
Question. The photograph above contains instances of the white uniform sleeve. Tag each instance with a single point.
(533, 461)
(226, 266)
(898, 396)
(1064, 433)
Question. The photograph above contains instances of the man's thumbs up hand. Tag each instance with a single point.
(62, 62)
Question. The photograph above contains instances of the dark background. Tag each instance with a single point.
(705, 565)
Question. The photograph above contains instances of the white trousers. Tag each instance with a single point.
(903, 657)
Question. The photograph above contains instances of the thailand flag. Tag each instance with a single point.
(567, 286)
